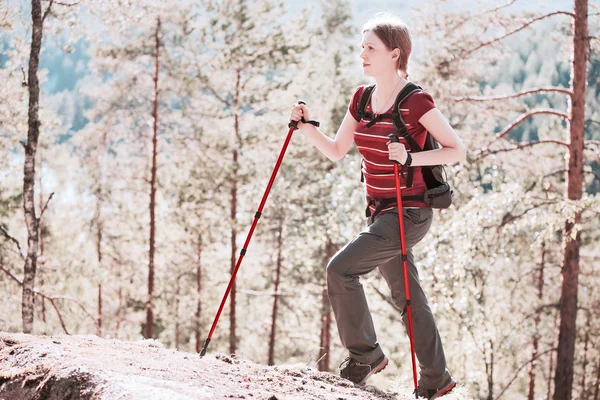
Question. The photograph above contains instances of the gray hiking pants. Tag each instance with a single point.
(378, 246)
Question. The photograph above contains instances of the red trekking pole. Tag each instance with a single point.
(394, 139)
(293, 126)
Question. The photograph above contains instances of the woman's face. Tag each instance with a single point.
(377, 60)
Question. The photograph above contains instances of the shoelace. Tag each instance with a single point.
(349, 360)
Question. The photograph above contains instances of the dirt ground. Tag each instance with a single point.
(74, 367)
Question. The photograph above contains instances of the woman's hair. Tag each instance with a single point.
(394, 33)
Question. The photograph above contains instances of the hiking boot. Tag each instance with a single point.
(431, 394)
(358, 372)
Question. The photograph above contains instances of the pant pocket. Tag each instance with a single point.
(418, 216)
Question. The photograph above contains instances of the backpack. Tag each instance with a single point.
(439, 193)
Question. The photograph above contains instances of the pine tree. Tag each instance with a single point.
(502, 170)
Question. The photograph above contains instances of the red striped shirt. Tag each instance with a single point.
(371, 142)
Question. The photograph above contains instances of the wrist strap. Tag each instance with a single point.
(312, 122)
(408, 161)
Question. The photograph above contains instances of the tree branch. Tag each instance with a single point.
(10, 275)
(593, 121)
(461, 23)
(74, 300)
(62, 322)
(47, 10)
(508, 217)
(542, 308)
(24, 81)
(52, 300)
(466, 53)
(214, 93)
(500, 7)
(558, 171)
(470, 330)
(46, 206)
(510, 96)
(519, 146)
(519, 370)
(522, 118)
(38, 293)
(62, 4)
(5, 233)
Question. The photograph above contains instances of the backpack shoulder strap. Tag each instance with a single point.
(405, 93)
(363, 100)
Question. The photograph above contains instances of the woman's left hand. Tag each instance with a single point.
(397, 152)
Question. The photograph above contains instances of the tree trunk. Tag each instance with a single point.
(41, 207)
(584, 365)
(41, 229)
(33, 132)
(99, 255)
(150, 303)
(120, 306)
(177, 324)
(490, 372)
(586, 341)
(99, 327)
(597, 385)
(232, 303)
(551, 363)
(41, 252)
(43, 303)
(563, 379)
(325, 341)
(536, 338)
(198, 293)
(236, 143)
(271, 360)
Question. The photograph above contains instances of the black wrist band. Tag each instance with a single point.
(408, 160)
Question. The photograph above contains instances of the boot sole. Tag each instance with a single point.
(445, 390)
(376, 370)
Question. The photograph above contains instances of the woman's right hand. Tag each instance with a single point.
(298, 111)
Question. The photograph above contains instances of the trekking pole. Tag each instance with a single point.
(293, 125)
(394, 139)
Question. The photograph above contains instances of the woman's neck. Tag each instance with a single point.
(388, 86)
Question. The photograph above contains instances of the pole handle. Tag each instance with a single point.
(394, 138)
(295, 123)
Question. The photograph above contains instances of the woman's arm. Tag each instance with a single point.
(453, 149)
(336, 148)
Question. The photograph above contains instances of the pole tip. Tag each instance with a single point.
(204, 347)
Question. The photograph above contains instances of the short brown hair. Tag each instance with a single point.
(394, 33)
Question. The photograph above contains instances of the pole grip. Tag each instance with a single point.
(394, 138)
(295, 123)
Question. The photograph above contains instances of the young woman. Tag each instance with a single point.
(387, 46)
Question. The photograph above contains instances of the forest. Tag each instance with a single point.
(137, 138)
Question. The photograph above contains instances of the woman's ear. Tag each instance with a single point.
(396, 54)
